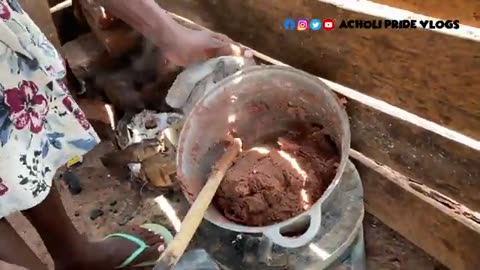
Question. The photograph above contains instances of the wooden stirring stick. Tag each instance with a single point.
(195, 215)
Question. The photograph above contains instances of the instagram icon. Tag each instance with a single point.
(302, 25)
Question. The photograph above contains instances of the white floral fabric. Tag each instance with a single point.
(41, 126)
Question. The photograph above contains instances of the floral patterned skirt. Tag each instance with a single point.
(41, 126)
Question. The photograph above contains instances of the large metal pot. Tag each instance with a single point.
(229, 107)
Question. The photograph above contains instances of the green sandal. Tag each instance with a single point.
(156, 229)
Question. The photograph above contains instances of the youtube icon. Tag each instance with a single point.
(328, 24)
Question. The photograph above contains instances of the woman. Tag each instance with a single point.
(41, 128)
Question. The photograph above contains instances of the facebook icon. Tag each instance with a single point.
(289, 24)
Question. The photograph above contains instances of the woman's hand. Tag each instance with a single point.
(188, 46)
(180, 45)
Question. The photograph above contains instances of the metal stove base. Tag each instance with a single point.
(354, 258)
(339, 244)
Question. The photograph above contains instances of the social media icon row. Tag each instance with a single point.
(304, 24)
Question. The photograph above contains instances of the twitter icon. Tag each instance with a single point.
(315, 24)
(289, 24)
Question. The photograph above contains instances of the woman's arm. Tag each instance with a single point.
(180, 45)
(145, 16)
(7, 266)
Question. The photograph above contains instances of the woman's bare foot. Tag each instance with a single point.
(71, 250)
(112, 252)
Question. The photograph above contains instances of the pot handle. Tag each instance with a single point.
(274, 233)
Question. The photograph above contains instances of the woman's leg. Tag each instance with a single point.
(15, 251)
(70, 250)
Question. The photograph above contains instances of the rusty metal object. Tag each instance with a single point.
(159, 170)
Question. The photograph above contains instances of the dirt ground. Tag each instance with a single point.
(123, 203)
